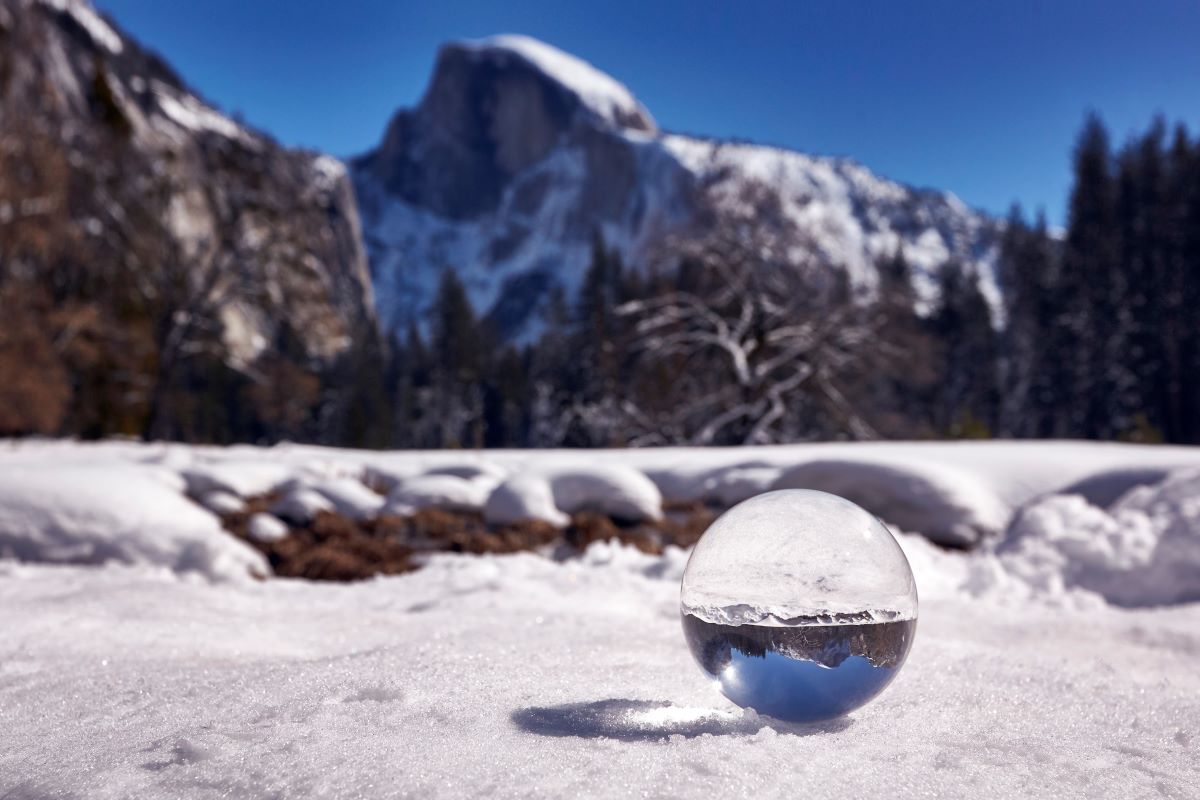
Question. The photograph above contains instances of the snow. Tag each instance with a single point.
(613, 489)
(524, 497)
(1038, 666)
(220, 501)
(606, 97)
(82, 12)
(940, 502)
(350, 497)
(189, 113)
(440, 490)
(239, 477)
(854, 217)
(266, 528)
(518, 675)
(121, 513)
(300, 505)
(1143, 551)
(553, 494)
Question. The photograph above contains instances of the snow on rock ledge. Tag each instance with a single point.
(124, 513)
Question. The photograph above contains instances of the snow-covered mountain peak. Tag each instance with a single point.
(519, 155)
(599, 92)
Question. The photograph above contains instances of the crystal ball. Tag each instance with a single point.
(799, 604)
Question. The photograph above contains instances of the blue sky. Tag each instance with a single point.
(981, 99)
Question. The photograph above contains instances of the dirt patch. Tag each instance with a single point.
(334, 547)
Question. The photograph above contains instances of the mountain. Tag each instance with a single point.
(154, 191)
(519, 155)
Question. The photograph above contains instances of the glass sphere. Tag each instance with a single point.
(800, 604)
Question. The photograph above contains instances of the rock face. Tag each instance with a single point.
(519, 155)
(154, 182)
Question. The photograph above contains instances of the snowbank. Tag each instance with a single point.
(236, 477)
(441, 490)
(525, 497)
(349, 496)
(519, 676)
(944, 504)
(1145, 550)
(553, 495)
(301, 504)
(117, 513)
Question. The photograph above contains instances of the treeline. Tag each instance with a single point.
(1099, 336)
(720, 338)
(1103, 335)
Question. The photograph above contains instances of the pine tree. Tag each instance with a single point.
(968, 400)
(457, 350)
(1090, 288)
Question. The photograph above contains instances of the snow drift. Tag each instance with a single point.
(1145, 550)
(117, 513)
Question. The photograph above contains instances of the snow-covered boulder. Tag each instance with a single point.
(524, 497)
(384, 477)
(350, 497)
(301, 504)
(244, 478)
(266, 528)
(222, 502)
(730, 486)
(946, 505)
(124, 513)
(553, 495)
(1145, 550)
(473, 470)
(440, 491)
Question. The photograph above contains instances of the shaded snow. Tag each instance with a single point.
(115, 513)
(1143, 551)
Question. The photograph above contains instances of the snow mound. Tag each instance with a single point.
(1107, 487)
(121, 513)
(524, 497)
(1144, 551)
(440, 491)
(266, 528)
(947, 505)
(728, 487)
(621, 492)
(243, 478)
(300, 505)
(220, 502)
(471, 470)
(350, 497)
(606, 97)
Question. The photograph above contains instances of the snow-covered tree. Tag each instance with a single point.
(761, 335)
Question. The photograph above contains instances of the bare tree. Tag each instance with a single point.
(764, 331)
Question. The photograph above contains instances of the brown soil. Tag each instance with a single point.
(337, 548)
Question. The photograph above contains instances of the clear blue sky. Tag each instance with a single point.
(981, 99)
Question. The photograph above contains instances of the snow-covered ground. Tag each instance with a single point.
(157, 675)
